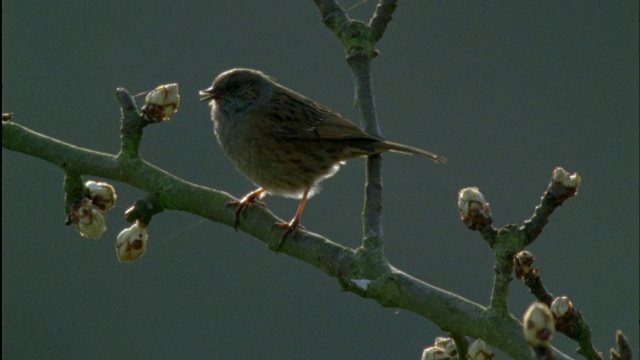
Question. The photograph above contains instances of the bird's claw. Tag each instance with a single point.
(290, 229)
(244, 203)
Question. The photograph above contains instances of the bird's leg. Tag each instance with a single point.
(294, 224)
(245, 202)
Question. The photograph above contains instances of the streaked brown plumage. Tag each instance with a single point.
(284, 142)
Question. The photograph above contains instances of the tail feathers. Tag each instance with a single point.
(387, 145)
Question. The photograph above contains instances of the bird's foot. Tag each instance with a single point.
(244, 203)
(290, 228)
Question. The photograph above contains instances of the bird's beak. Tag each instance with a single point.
(210, 93)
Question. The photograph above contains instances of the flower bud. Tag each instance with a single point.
(102, 195)
(561, 306)
(469, 198)
(447, 344)
(523, 263)
(479, 350)
(162, 102)
(538, 325)
(566, 316)
(563, 177)
(473, 208)
(434, 353)
(88, 219)
(131, 243)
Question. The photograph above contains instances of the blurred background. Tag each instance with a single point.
(506, 92)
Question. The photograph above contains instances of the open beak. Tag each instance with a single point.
(210, 94)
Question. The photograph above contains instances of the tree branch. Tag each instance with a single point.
(382, 17)
(359, 40)
(358, 271)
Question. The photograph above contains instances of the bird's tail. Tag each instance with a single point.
(391, 146)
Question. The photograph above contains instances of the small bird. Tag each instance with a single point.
(284, 142)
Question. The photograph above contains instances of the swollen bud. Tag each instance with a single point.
(563, 177)
(131, 243)
(162, 102)
(538, 325)
(101, 194)
(480, 350)
(523, 263)
(88, 219)
(434, 353)
(473, 208)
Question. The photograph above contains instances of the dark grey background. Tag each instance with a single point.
(506, 91)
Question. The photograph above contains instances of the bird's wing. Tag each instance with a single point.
(307, 119)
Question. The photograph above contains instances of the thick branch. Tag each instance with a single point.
(388, 286)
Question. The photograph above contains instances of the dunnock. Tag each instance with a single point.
(283, 141)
